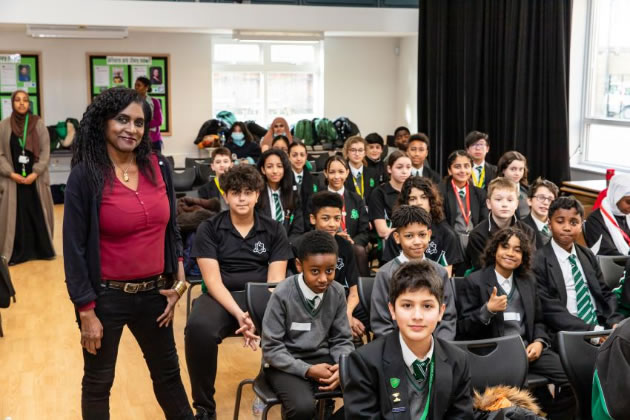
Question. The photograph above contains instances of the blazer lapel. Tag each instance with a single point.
(490, 279)
(555, 272)
(452, 202)
(442, 383)
(526, 290)
(474, 203)
(396, 377)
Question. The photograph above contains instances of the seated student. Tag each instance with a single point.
(411, 373)
(302, 177)
(513, 165)
(326, 215)
(412, 231)
(401, 138)
(384, 197)
(280, 200)
(502, 202)
(281, 143)
(354, 218)
(607, 229)
(362, 178)
(502, 300)
(573, 294)
(541, 194)
(464, 204)
(444, 247)
(418, 150)
(233, 248)
(477, 145)
(374, 156)
(241, 144)
(305, 329)
(221, 162)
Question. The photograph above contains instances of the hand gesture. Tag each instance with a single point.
(319, 372)
(91, 331)
(333, 381)
(17, 178)
(30, 178)
(345, 236)
(172, 297)
(248, 330)
(497, 303)
(534, 350)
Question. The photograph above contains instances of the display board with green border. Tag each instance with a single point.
(19, 72)
(107, 71)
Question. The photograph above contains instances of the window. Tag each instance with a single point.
(606, 128)
(261, 81)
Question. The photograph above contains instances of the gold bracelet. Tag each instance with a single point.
(180, 287)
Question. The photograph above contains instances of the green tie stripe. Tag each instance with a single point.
(585, 308)
(462, 194)
(420, 369)
(545, 231)
(299, 179)
(276, 199)
(312, 303)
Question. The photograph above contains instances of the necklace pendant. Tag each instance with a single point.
(125, 177)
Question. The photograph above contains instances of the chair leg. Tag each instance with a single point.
(321, 409)
(239, 392)
(1, 332)
(266, 411)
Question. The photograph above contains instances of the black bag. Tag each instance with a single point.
(6, 287)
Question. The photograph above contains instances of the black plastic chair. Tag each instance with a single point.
(365, 287)
(192, 282)
(204, 173)
(184, 179)
(313, 165)
(578, 356)
(613, 267)
(496, 361)
(171, 161)
(258, 295)
(192, 162)
(343, 371)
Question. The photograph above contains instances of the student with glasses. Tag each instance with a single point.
(478, 145)
(362, 179)
(541, 194)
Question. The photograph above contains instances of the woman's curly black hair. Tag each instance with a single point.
(502, 237)
(428, 187)
(90, 146)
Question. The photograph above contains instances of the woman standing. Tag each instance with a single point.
(119, 203)
(26, 205)
(143, 87)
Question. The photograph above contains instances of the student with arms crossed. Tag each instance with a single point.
(501, 300)
(541, 195)
(477, 145)
(572, 290)
(412, 231)
(233, 248)
(221, 163)
(411, 373)
(305, 329)
(444, 247)
(418, 150)
(502, 202)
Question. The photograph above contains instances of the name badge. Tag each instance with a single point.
(512, 316)
(399, 409)
(23, 159)
(300, 326)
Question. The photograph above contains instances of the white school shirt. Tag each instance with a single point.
(307, 292)
(409, 357)
(417, 171)
(506, 284)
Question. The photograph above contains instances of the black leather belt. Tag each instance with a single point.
(137, 286)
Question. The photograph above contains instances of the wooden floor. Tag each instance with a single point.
(41, 364)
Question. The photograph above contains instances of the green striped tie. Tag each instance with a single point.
(546, 231)
(420, 369)
(586, 311)
(276, 200)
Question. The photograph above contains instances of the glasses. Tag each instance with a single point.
(356, 150)
(479, 145)
(543, 198)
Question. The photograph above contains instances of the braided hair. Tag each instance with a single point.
(90, 147)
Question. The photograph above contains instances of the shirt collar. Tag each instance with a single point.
(306, 291)
(272, 191)
(561, 254)
(408, 356)
(403, 258)
(481, 165)
(226, 222)
(502, 280)
(296, 173)
(356, 171)
(340, 192)
(420, 170)
(539, 224)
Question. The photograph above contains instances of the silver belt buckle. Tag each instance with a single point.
(132, 287)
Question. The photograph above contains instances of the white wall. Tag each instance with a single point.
(407, 94)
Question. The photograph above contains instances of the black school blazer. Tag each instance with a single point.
(307, 189)
(357, 220)
(293, 221)
(553, 292)
(369, 393)
(594, 229)
(478, 208)
(477, 290)
(540, 238)
(370, 179)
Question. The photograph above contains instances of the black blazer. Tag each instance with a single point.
(370, 181)
(307, 189)
(491, 173)
(369, 394)
(477, 290)
(596, 228)
(431, 174)
(357, 219)
(553, 292)
(541, 240)
(293, 220)
(478, 208)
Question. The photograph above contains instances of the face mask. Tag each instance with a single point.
(238, 139)
(280, 134)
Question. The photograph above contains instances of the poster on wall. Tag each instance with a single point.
(107, 71)
(19, 72)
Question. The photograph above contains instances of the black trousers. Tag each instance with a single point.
(115, 309)
(548, 365)
(295, 393)
(208, 324)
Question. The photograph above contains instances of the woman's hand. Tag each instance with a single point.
(30, 178)
(91, 331)
(19, 179)
(172, 297)
(248, 330)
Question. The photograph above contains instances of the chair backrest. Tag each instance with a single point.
(496, 361)
(204, 172)
(365, 286)
(343, 371)
(171, 161)
(184, 179)
(258, 295)
(313, 165)
(458, 290)
(612, 268)
(578, 355)
(192, 162)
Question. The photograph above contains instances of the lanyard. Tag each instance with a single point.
(23, 139)
(356, 186)
(425, 413)
(460, 204)
(482, 177)
(216, 182)
(343, 214)
(614, 222)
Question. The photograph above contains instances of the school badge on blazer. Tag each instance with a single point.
(394, 382)
(354, 214)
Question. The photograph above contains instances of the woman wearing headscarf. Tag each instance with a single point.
(607, 229)
(26, 205)
(278, 127)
